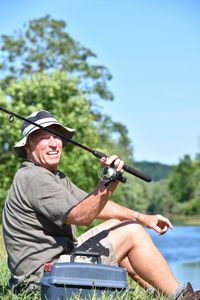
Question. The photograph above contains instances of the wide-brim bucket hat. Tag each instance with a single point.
(44, 119)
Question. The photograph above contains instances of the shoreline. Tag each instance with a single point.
(192, 220)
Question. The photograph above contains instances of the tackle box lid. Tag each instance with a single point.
(85, 274)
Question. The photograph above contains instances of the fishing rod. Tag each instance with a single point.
(96, 153)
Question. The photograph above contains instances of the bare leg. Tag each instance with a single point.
(126, 265)
(130, 241)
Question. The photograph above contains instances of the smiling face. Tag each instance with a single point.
(45, 148)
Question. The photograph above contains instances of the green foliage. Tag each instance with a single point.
(156, 170)
(45, 45)
(192, 207)
(180, 180)
(115, 135)
(60, 94)
(180, 192)
(43, 67)
(160, 200)
(132, 194)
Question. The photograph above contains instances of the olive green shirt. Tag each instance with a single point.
(34, 215)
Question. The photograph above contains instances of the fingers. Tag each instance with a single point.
(156, 228)
(113, 160)
(159, 230)
(163, 230)
(158, 223)
(109, 159)
(165, 221)
(119, 164)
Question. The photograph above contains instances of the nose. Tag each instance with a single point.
(52, 141)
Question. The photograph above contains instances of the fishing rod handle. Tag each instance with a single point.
(126, 167)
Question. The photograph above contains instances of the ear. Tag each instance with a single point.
(28, 147)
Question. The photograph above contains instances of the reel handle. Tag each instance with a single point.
(126, 167)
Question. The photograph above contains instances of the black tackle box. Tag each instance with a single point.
(67, 280)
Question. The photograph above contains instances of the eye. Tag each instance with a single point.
(57, 138)
(44, 137)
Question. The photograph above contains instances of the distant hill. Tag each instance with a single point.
(156, 170)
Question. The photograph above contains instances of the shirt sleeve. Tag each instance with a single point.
(50, 198)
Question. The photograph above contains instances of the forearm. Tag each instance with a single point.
(90, 208)
(113, 210)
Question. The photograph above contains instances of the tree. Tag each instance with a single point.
(160, 199)
(193, 206)
(61, 95)
(180, 180)
(114, 136)
(44, 45)
(44, 68)
(157, 170)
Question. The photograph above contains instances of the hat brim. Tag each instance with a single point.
(64, 131)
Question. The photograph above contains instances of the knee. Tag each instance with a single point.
(133, 227)
(112, 223)
(128, 226)
(108, 224)
(134, 230)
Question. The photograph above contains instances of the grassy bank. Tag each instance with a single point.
(138, 294)
(6, 293)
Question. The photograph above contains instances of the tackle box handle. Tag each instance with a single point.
(86, 253)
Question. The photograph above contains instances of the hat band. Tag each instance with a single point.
(27, 130)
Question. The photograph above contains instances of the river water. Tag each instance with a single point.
(181, 248)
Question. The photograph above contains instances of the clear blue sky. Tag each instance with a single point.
(152, 49)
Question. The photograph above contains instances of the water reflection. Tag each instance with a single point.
(181, 247)
(188, 270)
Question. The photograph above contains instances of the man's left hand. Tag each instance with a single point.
(156, 222)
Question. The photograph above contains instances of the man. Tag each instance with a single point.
(43, 206)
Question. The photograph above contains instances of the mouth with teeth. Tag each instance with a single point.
(52, 153)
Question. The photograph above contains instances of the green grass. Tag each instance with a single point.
(7, 294)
